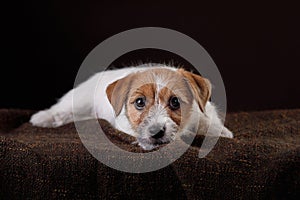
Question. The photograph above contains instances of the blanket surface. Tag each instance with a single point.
(261, 162)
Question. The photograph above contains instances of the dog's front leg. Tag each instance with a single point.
(78, 100)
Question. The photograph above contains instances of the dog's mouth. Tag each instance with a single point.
(149, 143)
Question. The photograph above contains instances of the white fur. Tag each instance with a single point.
(87, 94)
(92, 102)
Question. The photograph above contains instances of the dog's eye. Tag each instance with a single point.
(140, 103)
(174, 103)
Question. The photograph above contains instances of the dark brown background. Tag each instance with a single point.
(256, 46)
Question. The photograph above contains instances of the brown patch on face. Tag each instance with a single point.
(177, 86)
(170, 84)
(165, 95)
(136, 116)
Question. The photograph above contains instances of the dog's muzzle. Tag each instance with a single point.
(157, 131)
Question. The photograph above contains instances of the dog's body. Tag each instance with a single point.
(153, 103)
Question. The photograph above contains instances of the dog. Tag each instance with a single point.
(155, 103)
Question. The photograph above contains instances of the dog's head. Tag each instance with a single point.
(158, 103)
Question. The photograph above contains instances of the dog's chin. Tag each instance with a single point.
(149, 143)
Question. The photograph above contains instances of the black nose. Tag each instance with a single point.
(157, 131)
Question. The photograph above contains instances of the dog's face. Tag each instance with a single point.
(158, 103)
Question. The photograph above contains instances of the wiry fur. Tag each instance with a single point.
(109, 95)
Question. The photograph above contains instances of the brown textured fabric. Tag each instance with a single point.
(262, 161)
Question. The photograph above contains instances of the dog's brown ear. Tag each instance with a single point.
(117, 93)
(200, 87)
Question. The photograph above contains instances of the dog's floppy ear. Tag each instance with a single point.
(200, 87)
(117, 93)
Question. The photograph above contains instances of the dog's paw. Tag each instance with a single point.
(43, 118)
(226, 133)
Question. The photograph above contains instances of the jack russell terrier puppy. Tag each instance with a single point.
(154, 103)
